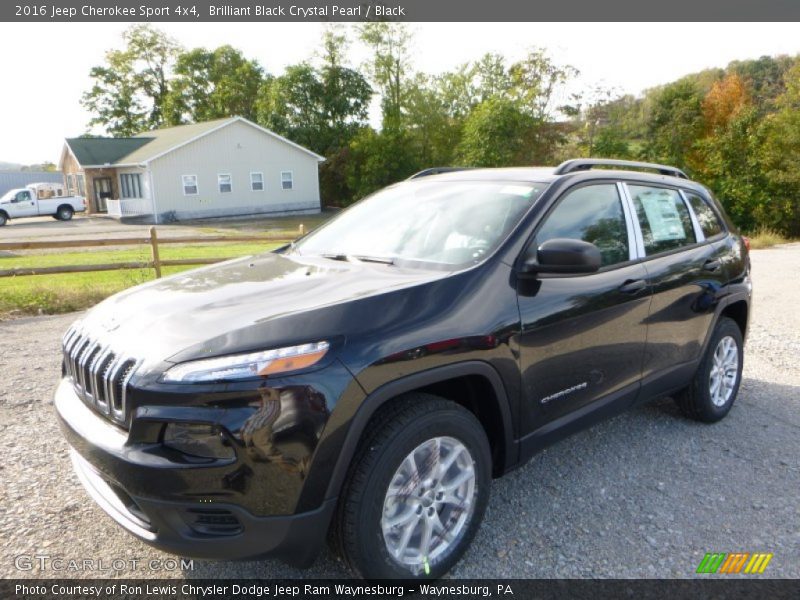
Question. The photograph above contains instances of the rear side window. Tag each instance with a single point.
(593, 214)
(663, 217)
(708, 219)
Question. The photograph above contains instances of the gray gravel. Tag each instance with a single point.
(643, 495)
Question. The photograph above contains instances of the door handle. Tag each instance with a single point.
(632, 286)
(712, 265)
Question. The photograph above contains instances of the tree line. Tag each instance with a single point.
(736, 129)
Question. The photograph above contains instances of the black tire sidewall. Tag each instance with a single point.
(374, 559)
(705, 406)
(3, 220)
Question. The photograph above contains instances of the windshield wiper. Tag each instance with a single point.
(360, 258)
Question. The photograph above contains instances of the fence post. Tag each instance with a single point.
(154, 252)
(302, 230)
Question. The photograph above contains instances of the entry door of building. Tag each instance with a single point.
(102, 192)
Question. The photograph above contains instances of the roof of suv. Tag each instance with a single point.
(577, 168)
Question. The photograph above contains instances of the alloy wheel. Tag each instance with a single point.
(429, 503)
(724, 371)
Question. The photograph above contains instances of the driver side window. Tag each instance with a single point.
(594, 214)
(23, 196)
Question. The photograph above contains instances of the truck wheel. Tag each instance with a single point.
(715, 385)
(416, 491)
(3, 218)
(64, 213)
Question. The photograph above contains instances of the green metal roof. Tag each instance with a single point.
(95, 151)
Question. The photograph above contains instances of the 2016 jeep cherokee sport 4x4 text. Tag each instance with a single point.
(368, 381)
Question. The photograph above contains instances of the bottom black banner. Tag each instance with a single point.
(540, 589)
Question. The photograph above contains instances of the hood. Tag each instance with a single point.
(234, 306)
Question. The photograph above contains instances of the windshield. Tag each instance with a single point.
(10, 194)
(451, 223)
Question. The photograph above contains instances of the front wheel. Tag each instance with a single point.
(716, 384)
(64, 213)
(3, 219)
(416, 492)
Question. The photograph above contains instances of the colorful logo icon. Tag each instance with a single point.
(735, 562)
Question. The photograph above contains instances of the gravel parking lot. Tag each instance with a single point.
(646, 494)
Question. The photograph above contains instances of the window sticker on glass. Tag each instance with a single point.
(662, 214)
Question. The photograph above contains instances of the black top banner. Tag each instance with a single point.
(401, 10)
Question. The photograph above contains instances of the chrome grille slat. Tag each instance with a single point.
(115, 372)
(99, 375)
(101, 396)
(83, 350)
(126, 377)
(108, 382)
(94, 367)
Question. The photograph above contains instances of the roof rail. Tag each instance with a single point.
(438, 171)
(584, 164)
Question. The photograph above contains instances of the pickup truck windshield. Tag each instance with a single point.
(450, 223)
(9, 195)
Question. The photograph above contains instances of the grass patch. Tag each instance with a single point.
(55, 294)
(766, 238)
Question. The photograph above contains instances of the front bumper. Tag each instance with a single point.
(115, 473)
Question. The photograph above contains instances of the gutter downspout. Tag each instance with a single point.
(152, 193)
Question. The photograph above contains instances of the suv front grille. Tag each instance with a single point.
(99, 375)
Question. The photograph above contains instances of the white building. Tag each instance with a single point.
(227, 167)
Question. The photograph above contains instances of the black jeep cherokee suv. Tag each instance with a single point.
(369, 380)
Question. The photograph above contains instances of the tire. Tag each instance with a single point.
(64, 213)
(3, 218)
(416, 424)
(712, 392)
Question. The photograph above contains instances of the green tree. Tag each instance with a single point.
(319, 107)
(537, 84)
(346, 93)
(213, 84)
(780, 157)
(129, 91)
(431, 121)
(389, 67)
(674, 122)
(378, 159)
(494, 134)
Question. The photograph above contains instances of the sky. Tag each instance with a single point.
(44, 67)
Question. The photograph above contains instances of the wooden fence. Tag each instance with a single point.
(155, 263)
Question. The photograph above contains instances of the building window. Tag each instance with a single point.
(81, 185)
(130, 185)
(224, 183)
(71, 184)
(257, 182)
(287, 182)
(189, 185)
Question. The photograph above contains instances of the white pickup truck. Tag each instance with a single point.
(39, 199)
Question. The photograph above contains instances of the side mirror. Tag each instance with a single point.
(562, 255)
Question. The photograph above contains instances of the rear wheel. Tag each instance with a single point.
(64, 213)
(3, 218)
(416, 492)
(716, 384)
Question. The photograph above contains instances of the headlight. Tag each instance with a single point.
(242, 366)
